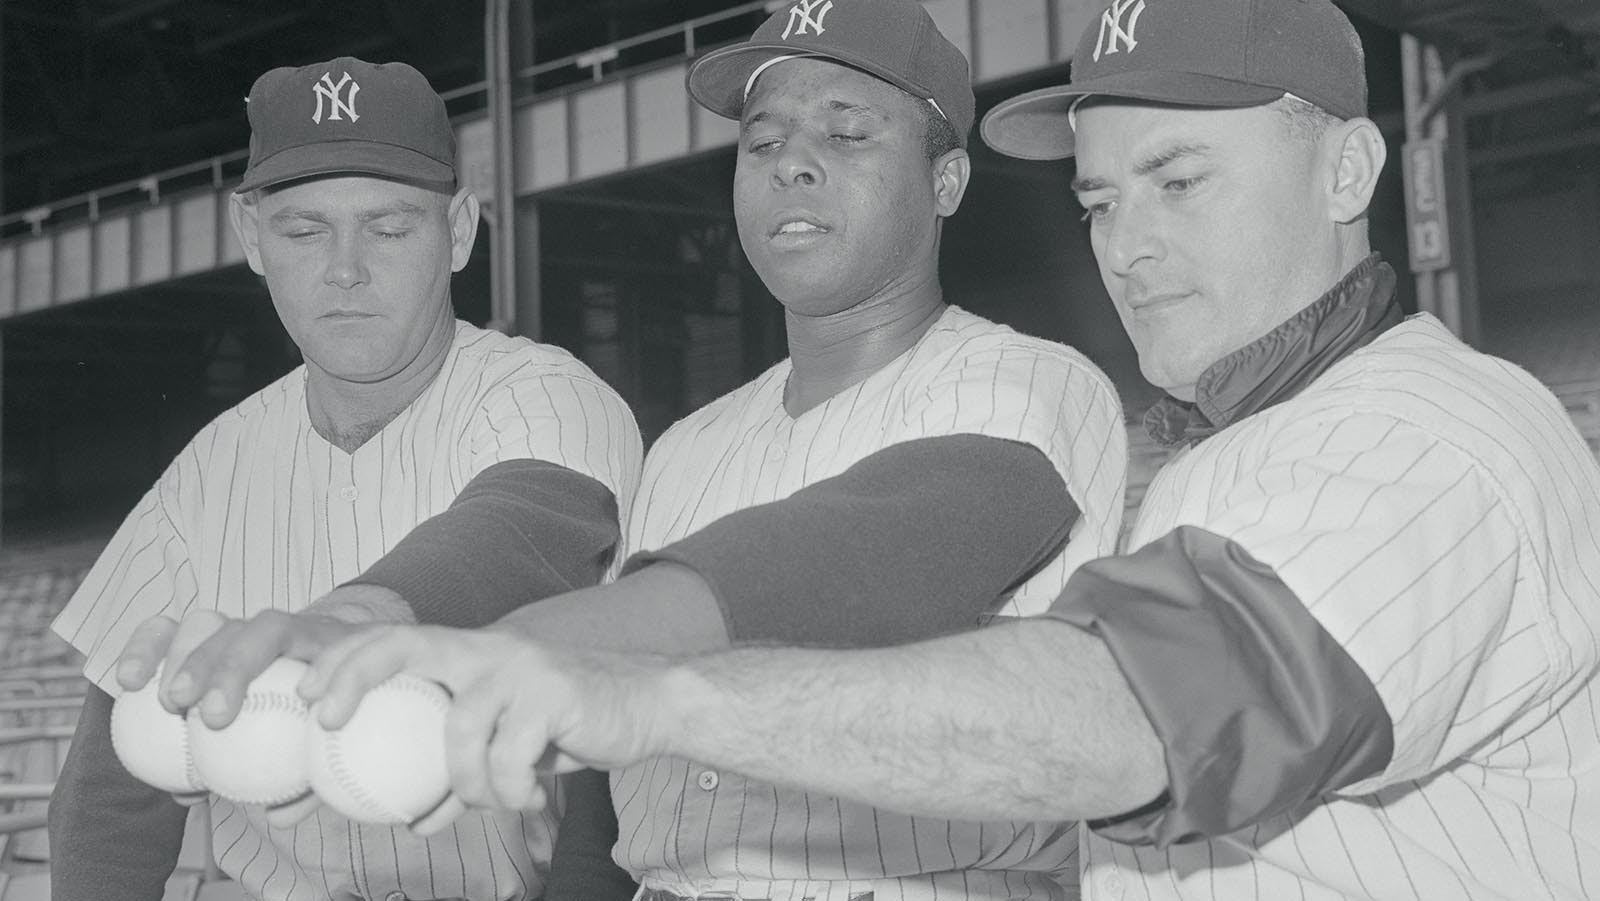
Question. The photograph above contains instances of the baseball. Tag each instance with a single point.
(259, 758)
(387, 764)
(152, 743)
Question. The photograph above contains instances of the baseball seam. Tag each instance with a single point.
(262, 702)
(346, 778)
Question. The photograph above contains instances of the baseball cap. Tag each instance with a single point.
(894, 40)
(348, 116)
(1204, 53)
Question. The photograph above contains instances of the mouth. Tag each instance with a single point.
(796, 226)
(1155, 302)
(346, 315)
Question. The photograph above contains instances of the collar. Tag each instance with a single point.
(1281, 363)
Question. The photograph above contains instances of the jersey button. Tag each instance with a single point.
(709, 780)
(348, 492)
(1113, 884)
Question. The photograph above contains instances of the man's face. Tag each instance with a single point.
(359, 270)
(1210, 227)
(834, 195)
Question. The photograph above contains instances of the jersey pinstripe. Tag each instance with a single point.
(689, 829)
(1433, 507)
(259, 512)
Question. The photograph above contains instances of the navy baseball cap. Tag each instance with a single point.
(349, 116)
(1203, 53)
(894, 40)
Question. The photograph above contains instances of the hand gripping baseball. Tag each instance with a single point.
(519, 709)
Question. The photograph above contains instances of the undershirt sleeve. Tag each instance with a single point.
(111, 836)
(917, 540)
(1258, 709)
(581, 867)
(520, 531)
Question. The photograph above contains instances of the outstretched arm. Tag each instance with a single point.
(917, 540)
(1026, 720)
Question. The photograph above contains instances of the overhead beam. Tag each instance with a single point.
(1527, 94)
(131, 12)
(1505, 153)
(636, 206)
(253, 30)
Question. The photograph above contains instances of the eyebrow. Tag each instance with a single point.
(836, 106)
(402, 208)
(1149, 164)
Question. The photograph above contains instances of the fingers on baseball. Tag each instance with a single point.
(144, 651)
(179, 689)
(519, 740)
(435, 820)
(223, 665)
(469, 732)
(343, 674)
(287, 814)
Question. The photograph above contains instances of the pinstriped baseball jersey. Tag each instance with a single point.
(1433, 508)
(689, 829)
(259, 512)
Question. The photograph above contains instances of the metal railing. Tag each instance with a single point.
(674, 42)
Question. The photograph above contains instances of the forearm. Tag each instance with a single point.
(111, 836)
(520, 531)
(880, 555)
(666, 609)
(917, 540)
(931, 736)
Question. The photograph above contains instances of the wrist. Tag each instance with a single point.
(682, 702)
(363, 604)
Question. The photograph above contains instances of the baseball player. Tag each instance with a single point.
(910, 470)
(351, 490)
(1352, 650)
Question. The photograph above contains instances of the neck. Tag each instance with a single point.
(831, 353)
(1351, 249)
(347, 414)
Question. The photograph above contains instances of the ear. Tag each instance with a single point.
(951, 172)
(1358, 152)
(245, 214)
(464, 213)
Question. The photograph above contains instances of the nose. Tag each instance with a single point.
(347, 263)
(797, 164)
(1132, 235)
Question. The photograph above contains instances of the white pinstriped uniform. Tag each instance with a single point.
(259, 512)
(1435, 509)
(687, 829)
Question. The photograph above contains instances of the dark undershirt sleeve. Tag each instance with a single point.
(917, 540)
(520, 531)
(580, 871)
(1257, 707)
(111, 836)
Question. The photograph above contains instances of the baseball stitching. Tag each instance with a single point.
(346, 779)
(259, 702)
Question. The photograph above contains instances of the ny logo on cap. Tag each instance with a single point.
(1113, 32)
(326, 88)
(807, 14)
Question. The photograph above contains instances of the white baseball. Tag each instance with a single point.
(387, 764)
(152, 743)
(260, 757)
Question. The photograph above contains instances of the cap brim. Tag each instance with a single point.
(716, 81)
(349, 158)
(1037, 125)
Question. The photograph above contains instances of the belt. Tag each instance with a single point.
(659, 894)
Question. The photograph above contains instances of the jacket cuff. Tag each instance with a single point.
(1257, 707)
